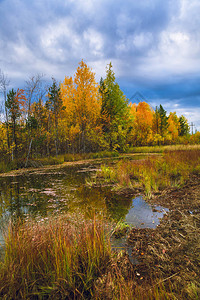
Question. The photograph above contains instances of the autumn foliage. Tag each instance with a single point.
(79, 115)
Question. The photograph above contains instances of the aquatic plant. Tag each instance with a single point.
(107, 173)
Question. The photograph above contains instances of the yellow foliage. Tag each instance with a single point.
(81, 100)
(173, 125)
(3, 138)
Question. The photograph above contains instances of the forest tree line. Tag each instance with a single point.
(79, 115)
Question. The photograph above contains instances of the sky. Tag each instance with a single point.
(154, 46)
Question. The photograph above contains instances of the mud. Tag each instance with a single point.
(170, 254)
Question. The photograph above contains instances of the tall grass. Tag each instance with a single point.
(58, 259)
(66, 258)
(155, 173)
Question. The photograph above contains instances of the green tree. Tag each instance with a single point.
(14, 104)
(184, 128)
(54, 105)
(160, 121)
(114, 111)
(163, 120)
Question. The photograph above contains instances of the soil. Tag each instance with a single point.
(170, 254)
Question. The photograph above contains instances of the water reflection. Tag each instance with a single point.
(143, 215)
(64, 190)
(54, 191)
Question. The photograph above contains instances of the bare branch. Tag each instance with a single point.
(35, 89)
(4, 83)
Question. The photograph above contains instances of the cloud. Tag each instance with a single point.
(154, 45)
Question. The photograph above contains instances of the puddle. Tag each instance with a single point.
(143, 215)
(140, 215)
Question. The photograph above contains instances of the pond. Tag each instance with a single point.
(41, 193)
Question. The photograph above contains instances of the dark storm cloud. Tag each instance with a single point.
(154, 45)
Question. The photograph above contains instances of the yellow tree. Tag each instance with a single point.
(82, 104)
(132, 123)
(144, 119)
(173, 126)
(3, 139)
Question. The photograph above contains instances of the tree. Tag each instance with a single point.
(82, 107)
(37, 128)
(173, 126)
(144, 120)
(4, 83)
(3, 139)
(160, 124)
(184, 128)
(163, 120)
(34, 90)
(55, 106)
(14, 104)
(114, 111)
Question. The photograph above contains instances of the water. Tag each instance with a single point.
(143, 215)
(41, 193)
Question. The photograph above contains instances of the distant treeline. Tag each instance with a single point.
(79, 115)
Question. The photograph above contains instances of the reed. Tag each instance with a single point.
(71, 258)
(58, 259)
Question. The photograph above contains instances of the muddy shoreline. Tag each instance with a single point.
(170, 254)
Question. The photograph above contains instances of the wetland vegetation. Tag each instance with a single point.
(62, 245)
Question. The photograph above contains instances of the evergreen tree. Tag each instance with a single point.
(13, 105)
(55, 106)
(184, 128)
(114, 111)
(163, 120)
(160, 121)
